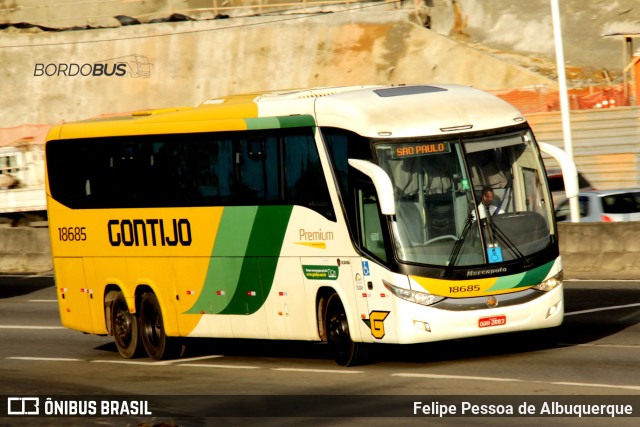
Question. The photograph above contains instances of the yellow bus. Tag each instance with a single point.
(351, 215)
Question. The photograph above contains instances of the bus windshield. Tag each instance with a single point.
(464, 202)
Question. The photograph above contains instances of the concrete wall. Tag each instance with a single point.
(186, 63)
(24, 250)
(507, 25)
(590, 250)
(525, 27)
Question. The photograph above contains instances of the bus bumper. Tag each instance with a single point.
(419, 324)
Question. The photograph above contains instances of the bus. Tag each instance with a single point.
(346, 215)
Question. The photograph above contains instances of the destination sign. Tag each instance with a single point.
(420, 149)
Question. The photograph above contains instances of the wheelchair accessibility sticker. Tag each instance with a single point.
(365, 268)
(494, 254)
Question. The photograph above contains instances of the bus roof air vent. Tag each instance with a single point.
(313, 92)
(408, 90)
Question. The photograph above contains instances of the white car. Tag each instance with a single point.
(604, 206)
(556, 185)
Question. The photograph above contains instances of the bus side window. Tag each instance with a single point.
(370, 225)
(305, 184)
(257, 166)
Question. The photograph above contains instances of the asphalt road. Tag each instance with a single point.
(593, 358)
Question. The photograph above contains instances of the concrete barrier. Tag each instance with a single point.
(589, 250)
(25, 250)
(599, 250)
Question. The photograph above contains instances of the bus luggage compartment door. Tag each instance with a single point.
(73, 295)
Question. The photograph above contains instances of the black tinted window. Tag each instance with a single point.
(621, 203)
(203, 169)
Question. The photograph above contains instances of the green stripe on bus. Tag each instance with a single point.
(522, 280)
(226, 262)
(268, 231)
(244, 260)
(234, 231)
(296, 121)
(259, 268)
(262, 123)
(279, 122)
(535, 276)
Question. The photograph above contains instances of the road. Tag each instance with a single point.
(593, 357)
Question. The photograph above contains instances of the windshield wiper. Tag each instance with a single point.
(455, 253)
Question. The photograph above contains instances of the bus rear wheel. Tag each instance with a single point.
(125, 328)
(154, 337)
(345, 352)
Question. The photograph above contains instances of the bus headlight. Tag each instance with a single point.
(421, 298)
(550, 283)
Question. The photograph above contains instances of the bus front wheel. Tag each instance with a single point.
(154, 337)
(125, 328)
(344, 350)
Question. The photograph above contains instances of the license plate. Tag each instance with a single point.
(485, 322)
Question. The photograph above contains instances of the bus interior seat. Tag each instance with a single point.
(411, 226)
(373, 233)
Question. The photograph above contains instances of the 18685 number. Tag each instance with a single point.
(72, 234)
(463, 288)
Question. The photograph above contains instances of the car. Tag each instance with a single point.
(556, 185)
(604, 206)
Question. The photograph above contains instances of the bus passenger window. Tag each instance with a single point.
(370, 225)
(256, 170)
(305, 184)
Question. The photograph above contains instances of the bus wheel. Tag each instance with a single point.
(344, 350)
(125, 328)
(154, 338)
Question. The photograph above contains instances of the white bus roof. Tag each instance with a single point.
(395, 111)
(370, 111)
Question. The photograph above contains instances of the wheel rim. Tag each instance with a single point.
(339, 338)
(152, 326)
(338, 329)
(125, 329)
(154, 338)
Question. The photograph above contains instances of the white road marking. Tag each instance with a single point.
(624, 387)
(600, 345)
(322, 371)
(46, 359)
(330, 371)
(128, 362)
(455, 377)
(30, 327)
(593, 310)
(462, 377)
(202, 365)
(188, 359)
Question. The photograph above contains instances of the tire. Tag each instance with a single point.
(345, 352)
(154, 338)
(125, 328)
